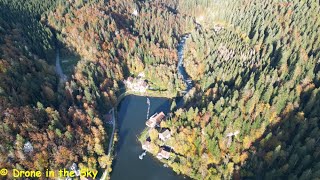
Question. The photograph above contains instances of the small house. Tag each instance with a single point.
(150, 123)
(146, 146)
(135, 12)
(165, 135)
(108, 118)
(155, 119)
(130, 79)
(28, 148)
(163, 154)
(145, 84)
(141, 75)
(75, 169)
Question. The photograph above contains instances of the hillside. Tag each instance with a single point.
(256, 113)
(35, 108)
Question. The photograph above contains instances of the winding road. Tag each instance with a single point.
(64, 78)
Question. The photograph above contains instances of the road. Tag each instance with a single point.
(105, 173)
(113, 129)
(59, 70)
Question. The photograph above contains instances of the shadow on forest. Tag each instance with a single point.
(34, 34)
(122, 105)
(123, 135)
(289, 149)
(25, 81)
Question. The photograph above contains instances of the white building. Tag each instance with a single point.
(27, 148)
(165, 135)
(163, 154)
(155, 119)
(135, 12)
(146, 146)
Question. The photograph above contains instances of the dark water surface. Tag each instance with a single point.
(181, 69)
(132, 114)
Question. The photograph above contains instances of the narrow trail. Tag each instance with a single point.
(58, 68)
(113, 129)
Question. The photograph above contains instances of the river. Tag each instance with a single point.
(132, 114)
(181, 69)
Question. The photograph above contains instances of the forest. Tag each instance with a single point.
(253, 112)
(256, 108)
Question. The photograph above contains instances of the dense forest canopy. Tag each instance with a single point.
(253, 111)
(258, 77)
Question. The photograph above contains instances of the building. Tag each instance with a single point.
(28, 148)
(146, 145)
(136, 84)
(155, 120)
(144, 84)
(75, 169)
(163, 154)
(165, 135)
(108, 118)
(130, 79)
(141, 75)
(135, 12)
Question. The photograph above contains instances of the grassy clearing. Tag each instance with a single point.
(144, 135)
(68, 61)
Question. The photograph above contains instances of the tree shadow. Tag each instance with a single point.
(122, 136)
(38, 37)
(26, 78)
(164, 107)
(289, 149)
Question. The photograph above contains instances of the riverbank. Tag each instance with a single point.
(163, 94)
(148, 93)
(111, 150)
(132, 114)
(111, 147)
(112, 141)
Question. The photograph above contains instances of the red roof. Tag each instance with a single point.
(108, 117)
(159, 117)
(130, 79)
(165, 154)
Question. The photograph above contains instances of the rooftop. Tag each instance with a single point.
(108, 117)
(155, 119)
(166, 133)
(163, 154)
(150, 123)
(146, 145)
(158, 117)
